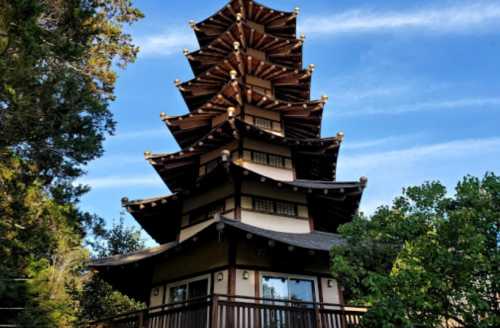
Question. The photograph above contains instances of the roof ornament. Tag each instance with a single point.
(177, 82)
(231, 111)
(185, 51)
(147, 154)
(233, 74)
(325, 98)
(239, 17)
(192, 23)
(225, 154)
(236, 45)
(302, 37)
(340, 136)
(311, 68)
(124, 201)
(363, 181)
(164, 116)
(296, 11)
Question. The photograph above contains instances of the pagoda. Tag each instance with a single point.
(255, 204)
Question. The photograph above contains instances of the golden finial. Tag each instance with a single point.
(324, 98)
(163, 115)
(311, 67)
(236, 45)
(230, 111)
(147, 154)
(185, 51)
(233, 74)
(177, 82)
(340, 136)
(296, 11)
(302, 37)
(225, 154)
(239, 17)
(192, 23)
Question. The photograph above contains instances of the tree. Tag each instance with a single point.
(40, 251)
(57, 79)
(97, 299)
(427, 260)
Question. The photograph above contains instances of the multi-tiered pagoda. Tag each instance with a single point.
(255, 204)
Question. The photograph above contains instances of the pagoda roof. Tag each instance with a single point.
(314, 241)
(289, 84)
(302, 119)
(160, 216)
(180, 169)
(283, 51)
(278, 23)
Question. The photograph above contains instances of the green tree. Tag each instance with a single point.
(428, 259)
(57, 79)
(37, 243)
(97, 299)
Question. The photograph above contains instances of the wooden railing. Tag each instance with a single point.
(222, 311)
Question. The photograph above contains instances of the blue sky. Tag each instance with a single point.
(415, 86)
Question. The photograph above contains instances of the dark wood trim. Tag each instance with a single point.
(257, 283)
(212, 282)
(320, 290)
(191, 275)
(231, 281)
(206, 207)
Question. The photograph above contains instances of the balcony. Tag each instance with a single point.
(222, 311)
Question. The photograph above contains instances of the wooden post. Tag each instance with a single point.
(214, 318)
(141, 319)
(317, 315)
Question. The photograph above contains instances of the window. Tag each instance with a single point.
(289, 289)
(205, 213)
(263, 123)
(284, 208)
(259, 158)
(264, 205)
(189, 291)
(276, 161)
(274, 207)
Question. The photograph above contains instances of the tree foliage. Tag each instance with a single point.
(57, 79)
(429, 259)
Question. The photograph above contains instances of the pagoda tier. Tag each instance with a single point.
(291, 119)
(276, 23)
(339, 199)
(276, 81)
(181, 170)
(282, 51)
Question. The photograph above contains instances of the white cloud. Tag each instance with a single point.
(456, 19)
(472, 103)
(167, 43)
(447, 150)
(140, 134)
(111, 182)
(378, 142)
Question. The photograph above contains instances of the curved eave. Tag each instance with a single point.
(290, 85)
(159, 217)
(282, 51)
(278, 23)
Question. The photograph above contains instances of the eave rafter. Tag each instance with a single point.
(292, 85)
(283, 51)
(302, 119)
(278, 23)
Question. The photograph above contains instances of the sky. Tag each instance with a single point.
(414, 85)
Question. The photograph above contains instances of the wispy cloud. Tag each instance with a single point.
(455, 19)
(167, 43)
(447, 150)
(111, 182)
(379, 142)
(141, 134)
(453, 104)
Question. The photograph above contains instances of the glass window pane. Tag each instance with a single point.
(198, 288)
(275, 288)
(275, 161)
(301, 290)
(263, 123)
(264, 205)
(285, 209)
(260, 158)
(178, 294)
